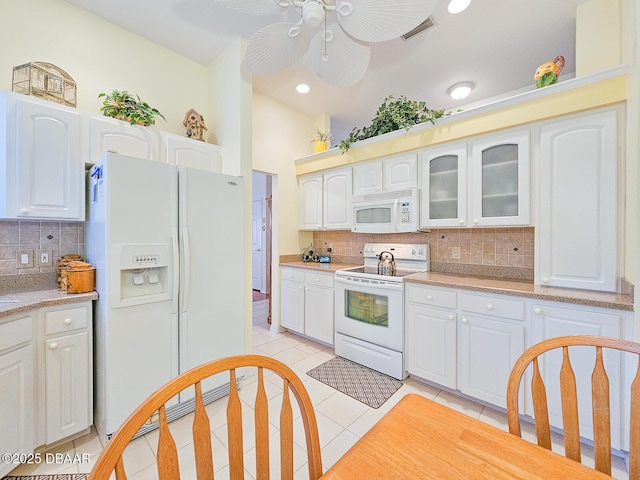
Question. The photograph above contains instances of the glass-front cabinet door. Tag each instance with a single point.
(443, 200)
(501, 180)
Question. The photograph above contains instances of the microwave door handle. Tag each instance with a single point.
(395, 215)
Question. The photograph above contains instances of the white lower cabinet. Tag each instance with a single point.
(17, 406)
(553, 320)
(469, 341)
(306, 303)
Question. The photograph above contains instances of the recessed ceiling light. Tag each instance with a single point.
(460, 90)
(303, 88)
(456, 6)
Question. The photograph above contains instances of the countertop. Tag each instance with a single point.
(25, 301)
(515, 288)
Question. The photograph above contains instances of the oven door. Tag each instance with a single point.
(370, 310)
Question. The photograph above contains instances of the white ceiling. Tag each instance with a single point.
(497, 44)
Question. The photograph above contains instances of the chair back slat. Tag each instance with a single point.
(261, 411)
(168, 468)
(120, 473)
(600, 391)
(601, 415)
(540, 410)
(569, 396)
(234, 430)
(286, 435)
(202, 438)
(634, 435)
(111, 460)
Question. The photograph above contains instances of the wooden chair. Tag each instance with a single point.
(167, 457)
(569, 401)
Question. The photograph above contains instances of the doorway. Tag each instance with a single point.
(261, 241)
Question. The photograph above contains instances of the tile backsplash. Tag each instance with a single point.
(26, 235)
(482, 250)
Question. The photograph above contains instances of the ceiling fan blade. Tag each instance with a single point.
(346, 60)
(275, 47)
(382, 20)
(256, 7)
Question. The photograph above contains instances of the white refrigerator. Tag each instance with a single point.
(167, 244)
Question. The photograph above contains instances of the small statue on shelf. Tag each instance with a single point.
(548, 73)
(194, 123)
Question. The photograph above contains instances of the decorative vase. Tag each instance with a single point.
(321, 146)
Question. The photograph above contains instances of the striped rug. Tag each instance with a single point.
(365, 385)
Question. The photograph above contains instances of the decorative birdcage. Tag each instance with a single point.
(45, 80)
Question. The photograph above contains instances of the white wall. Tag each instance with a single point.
(100, 57)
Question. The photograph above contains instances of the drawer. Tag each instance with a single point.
(293, 274)
(433, 297)
(16, 332)
(494, 306)
(317, 278)
(66, 320)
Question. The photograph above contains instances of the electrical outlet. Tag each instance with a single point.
(44, 258)
(24, 259)
(455, 253)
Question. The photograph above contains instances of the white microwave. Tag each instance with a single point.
(388, 212)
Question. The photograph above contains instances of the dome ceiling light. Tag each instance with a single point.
(332, 36)
(456, 6)
(460, 90)
(303, 88)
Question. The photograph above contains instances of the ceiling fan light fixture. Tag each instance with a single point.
(456, 6)
(460, 90)
(312, 13)
(303, 88)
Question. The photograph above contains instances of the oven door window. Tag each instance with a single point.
(379, 215)
(367, 308)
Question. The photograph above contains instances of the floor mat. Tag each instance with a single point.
(365, 385)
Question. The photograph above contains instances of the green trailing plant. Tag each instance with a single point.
(127, 106)
(394, 113)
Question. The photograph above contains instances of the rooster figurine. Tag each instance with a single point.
(548, 73)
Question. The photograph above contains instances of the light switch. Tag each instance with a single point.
(24, 259)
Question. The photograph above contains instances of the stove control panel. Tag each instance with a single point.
(402, 251)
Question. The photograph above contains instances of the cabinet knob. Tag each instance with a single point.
(461, 222)
(464, 320)
(489, 307)
(317, 279)
(67, 321)
(429, 297)
(545, 280)
(306, 288)
(476, 222)
(24, 211)
(53, 345)
(537, 311)
(301, 287)
(451, 317)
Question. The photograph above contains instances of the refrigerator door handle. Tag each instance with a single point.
(185, 265)
(176, 268)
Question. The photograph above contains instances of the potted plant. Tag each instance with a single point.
(127, 106)
(321, 139)
(393, 114)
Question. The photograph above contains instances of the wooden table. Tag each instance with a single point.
(420, 439)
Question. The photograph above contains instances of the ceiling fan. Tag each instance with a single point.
(332, 35)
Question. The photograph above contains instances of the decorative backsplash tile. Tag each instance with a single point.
(27, 235)
(488, 247)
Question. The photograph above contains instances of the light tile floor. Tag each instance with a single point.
(341, 420)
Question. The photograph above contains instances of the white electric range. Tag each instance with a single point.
(369, 307)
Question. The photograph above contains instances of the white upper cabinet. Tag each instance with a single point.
(108, 134)
(41, 167)
(310, 202)
(390, 174)
(443, 181)
(324, 200)
(336, 199)
(577, 237)
(186, 152)
(500, 173)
